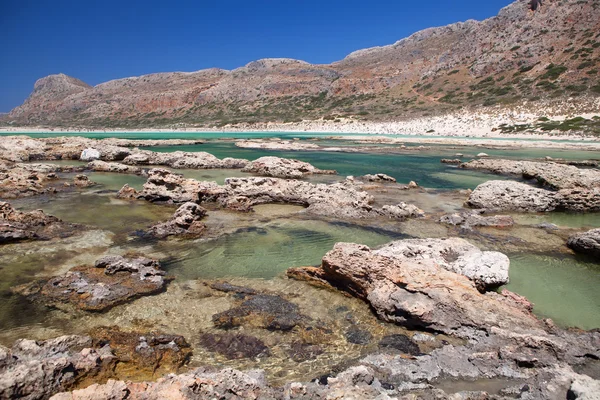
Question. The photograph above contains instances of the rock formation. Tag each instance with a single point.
(16, 226)
(283, 168)
(186, 221)
(586, 243)
(469, 219)
(341, 200)
(112, 281)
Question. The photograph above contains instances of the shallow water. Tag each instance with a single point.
(255, 249)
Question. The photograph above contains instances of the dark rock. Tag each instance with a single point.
(358, 336)
(265, 311)
(300, 351)
(401, 343)
(234, 345)
(16, 226)
(114, 280)
(586, 242)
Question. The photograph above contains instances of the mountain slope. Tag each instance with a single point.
(515, 58)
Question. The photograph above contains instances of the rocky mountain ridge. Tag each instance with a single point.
(515, 58)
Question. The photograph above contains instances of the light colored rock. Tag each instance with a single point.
(470, 219)
(482, 155)
(584, 388)
(103, 166)
(89, 155)
(283, 168)
(488, 269)
(512, 196)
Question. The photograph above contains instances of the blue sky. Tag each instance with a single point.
(100, 40)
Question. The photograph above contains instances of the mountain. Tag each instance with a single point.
(550, 58)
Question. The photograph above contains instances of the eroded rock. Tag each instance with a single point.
(586, 242)
(470, 219)
(187, 221)
(283, 168)
(112, 281)
(103, 166)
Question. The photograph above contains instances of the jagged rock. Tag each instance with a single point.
(451, 161)
(283, 168)
(185, 221)
(488, 269)
(36, 370)
(512, 196)
(470, 219)
(552, 175)
(82, 181)
(586, 242)
(234, 346)
(341, 200)
(417, 293)
(147, 353)
(276, 145)
(127, 192)
(182, 159)
(103, 166)
(114, 280)
(89, 155)
(377, 178)
(584, 388)
(262, 310)
(516, 196)
(22, 180)
(17, 226)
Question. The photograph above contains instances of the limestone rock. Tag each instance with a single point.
(36, 370)
(512, 196)
(418, 293)
(182, 159)
(488, 269)
(283, 168)
(113, 280)
(17, 226)
(185, 221)
(377, 178)
(89, 155)
(586, 242)
(470, 219)
(103, 166)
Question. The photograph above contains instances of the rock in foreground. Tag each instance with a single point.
(16, 226)
(488, 269)
(114, 280)
(417, 292)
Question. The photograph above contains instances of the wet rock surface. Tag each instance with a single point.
(342, 200)
(16, 226)
(264, 311)
(470, 219)
(143, 354)
(400, 343)
(187, 221)
(112, 281)
(283, 168)
(234, 345)
(586, 243)
(488, 269)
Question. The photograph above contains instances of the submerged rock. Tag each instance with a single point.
(234, 345)
(146, 354)
(186, 221)
(283, 168)
(586, 242)
(400, 343)
(262, 310)
(36, 370)
(470, 219)
(488, 269)
(16, 226)
(113, 280)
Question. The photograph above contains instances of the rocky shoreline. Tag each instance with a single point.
(443, 291)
